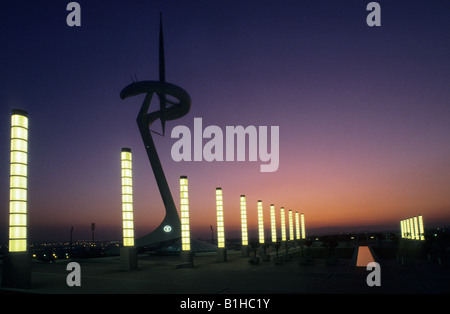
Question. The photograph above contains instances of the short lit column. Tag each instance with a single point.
(244, 230)
(273, 223)
(16, 264)
(291, 226)
(297, 226)
(128, 253)
(221, 251)
(416, 228)
(411, 225)
(421, 229)
(302, 222)
(283, 224)
(260, 223)
(186, 254)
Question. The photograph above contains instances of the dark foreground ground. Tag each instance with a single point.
(316, 275)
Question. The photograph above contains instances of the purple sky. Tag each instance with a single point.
(364, 112)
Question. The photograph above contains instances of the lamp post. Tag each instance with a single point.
(221, 250)
(16, 269)
(244, 248)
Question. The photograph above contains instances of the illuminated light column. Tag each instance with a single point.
(297, 226)
(411, 225)
(302, 218)
(416, 228)
(260, 223)
(186, 254)
(291, 226)
(283, 224)
(421, 229)
(221, 252)
(408, 229)
(128, 253)
(16, 264)
(244, 248)
(402, 228)
(273, 224)
(127, 197)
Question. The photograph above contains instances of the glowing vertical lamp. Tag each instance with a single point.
(421, 229)
(127, 198)
(243, 204)
(411, 225)
(408, 229)
(16, 264)
(416, 228)
(297, 226)
(273, 224)
(221, 252)
(128, 253)
(186, 254)
(302, 222)
(402, 228)
(260, 222)
(291, 226)
(283, 224)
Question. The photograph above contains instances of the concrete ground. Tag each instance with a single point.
(236, 276)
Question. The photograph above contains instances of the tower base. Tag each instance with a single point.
(128, 258)
(16, 270)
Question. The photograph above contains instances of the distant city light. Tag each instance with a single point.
(127, 197)
(18, 182)
(220, 222)
(184, 203)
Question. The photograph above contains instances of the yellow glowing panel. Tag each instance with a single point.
(220, 223)
(273, 224)
(421, 229)
(127, 197)
(243, 204)
(291, 226)
(18, 182)
(260, 222)
(302, 223)
(416, 228)
(411, 225)
(184, 204)
(297, 226)
(283, 224)
(402, 228)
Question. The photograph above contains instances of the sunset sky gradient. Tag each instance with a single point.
(363, 112)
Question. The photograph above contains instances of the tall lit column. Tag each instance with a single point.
(18, 182)
(421, 229)
(221, 252)
(128, 253)
(260, 222)
(184, 204)
(408, 229)
(291, 226)
(273, 224)
(244, 248)
(127, 197)
(16, 264)
(283, 224)
(302, 222)
(297, 226)
(402, 228)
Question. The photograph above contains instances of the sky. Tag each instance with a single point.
(363, 112)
